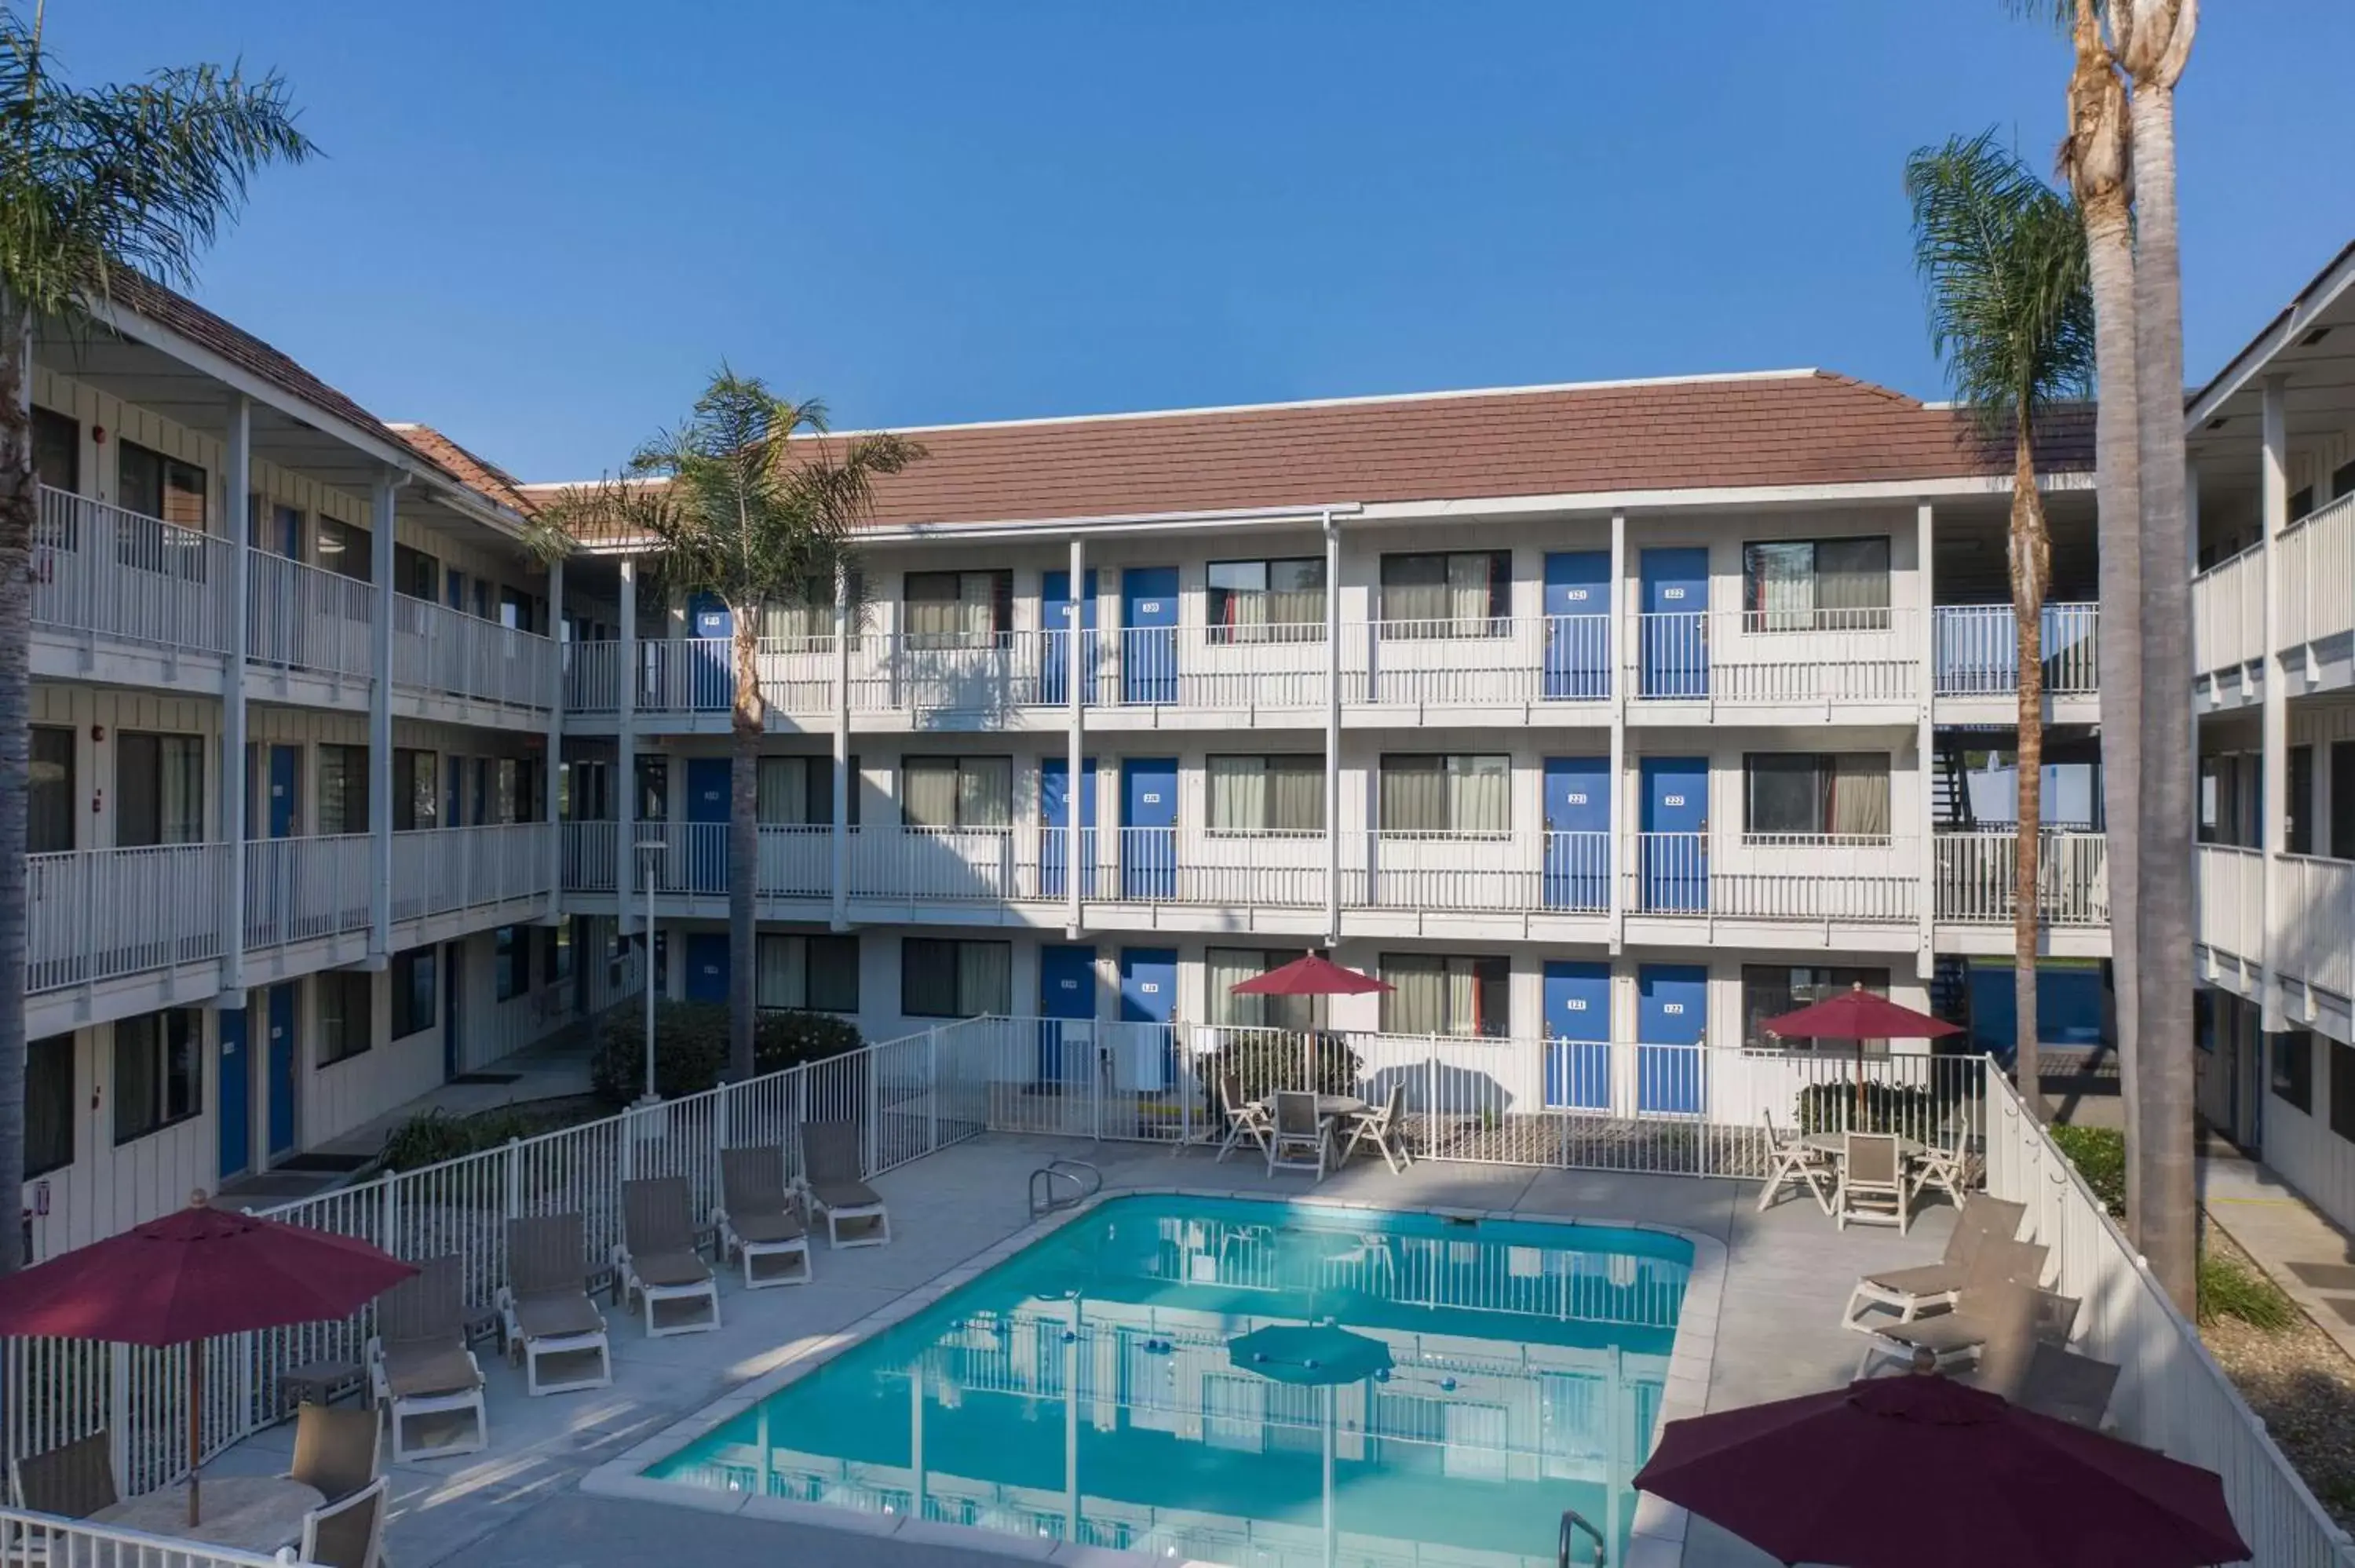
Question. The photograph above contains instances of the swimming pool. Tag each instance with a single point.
(1087, 1389)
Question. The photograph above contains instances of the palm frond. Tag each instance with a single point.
(139, 174)
(2003, 263)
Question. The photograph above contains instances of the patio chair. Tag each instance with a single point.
(71, 1481)
(659, 1259)
(1872, 1186)
(1999, 1321)
(1794, 1161)
(338, 1451)
(2066, 1386)
(1297, 1131)
(1383, 1127)
(1952, 1167)
(834, 1181)
(544, 1307)
(1912, 1291)
(760, 1218)
(347, 1533)
(419, 1363)
(1246, 1119)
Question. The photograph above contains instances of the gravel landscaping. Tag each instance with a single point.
(2301, 1384)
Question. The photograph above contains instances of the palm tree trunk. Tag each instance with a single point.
(747, 720)
(2031, 566)
(17, 504)
(2164, 976)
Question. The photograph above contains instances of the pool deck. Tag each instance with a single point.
(1787, 1272)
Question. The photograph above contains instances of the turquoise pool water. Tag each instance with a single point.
(1083, 1390)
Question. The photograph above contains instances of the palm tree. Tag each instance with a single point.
(2003, 257)
(2096, 159)
(138, 175)
(2154, 41)
(745, 513)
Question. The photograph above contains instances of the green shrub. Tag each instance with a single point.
(1887, 1107)
(1262, 1063)
(433, 1136)
(691, 1047)
(2099, 1153)
(2231, 1288)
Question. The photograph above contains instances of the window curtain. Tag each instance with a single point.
(1463, 998)
(783, 793)
(1296, 595)
(950, 609)
(1225, 968)
(1468, 588)
(985, 978)
(1296, 795)
(1782, 586)
(928, 793)
(1479, 794)
(1414, 795)
(928, 977)
(1852, 583)
(181, 782)
(985, 792)
(1859, 806)
(781, 977)
(1247, 615)
(138, 1074)
(1239, 794)
(1414, 587)
(1417, 1000)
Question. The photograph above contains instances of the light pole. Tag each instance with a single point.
(647, 850)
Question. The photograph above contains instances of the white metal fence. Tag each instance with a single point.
(2316, 564)
(2316, 940)
(300, 888)
(441, 650)
(1975, 872)
(1978, 650)
(438, 870)
(99, 569)
(2170, 1394)
(302, 617)
(41, 1537)
(96, 915)
(2228, 613)
(2230, 886)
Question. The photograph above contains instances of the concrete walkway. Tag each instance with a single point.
(2306, 1254)
(1787, 1273)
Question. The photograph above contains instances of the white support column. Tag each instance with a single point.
(625, 758)
(551, 780)
(2274, 764)
(1075, 802)
(380, 762)
(1622, 633)
(844, 783)
(1332, 730)
(234, 786)
(1925, 742)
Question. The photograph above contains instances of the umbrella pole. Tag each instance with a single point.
(1856, 1121)
(195, 1426)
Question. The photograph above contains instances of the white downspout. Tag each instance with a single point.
(1332, 729)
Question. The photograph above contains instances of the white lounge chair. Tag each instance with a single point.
(759, 1220)
(1298, 1140)
(1909, 1292)
(419, 1363)
(2000, 1319)
(658, 1260)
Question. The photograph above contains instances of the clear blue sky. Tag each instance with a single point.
(540, 225)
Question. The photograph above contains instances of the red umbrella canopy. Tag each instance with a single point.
(195, 1273)
(1314, 975)
(1857, 1014)
(1920, 1472)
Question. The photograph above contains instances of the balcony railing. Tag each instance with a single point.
(1563, 872)
(103, 570)
(1794, 656)
(2316, 562)
(2231, 900)
(1978, 650)
(2228, 613)
(301, 618)
(1687, 876)
(1476, 663)
(592, 676)
(298, 889)
(1976, 871)
(438, 870)
(436, 649)
(98, 915)
(2316, 900)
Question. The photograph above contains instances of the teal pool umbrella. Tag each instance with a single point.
(1309, 1355)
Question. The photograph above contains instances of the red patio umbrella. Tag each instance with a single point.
(1920, 1472)
(1312, 974)
(1857, 1014)
(191, 1275)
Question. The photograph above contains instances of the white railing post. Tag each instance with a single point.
(379, 753)
(2274, 713)
(388, 1212)
(932, 1089)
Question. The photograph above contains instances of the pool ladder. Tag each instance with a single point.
(1572, 1523)
(1046, 1196)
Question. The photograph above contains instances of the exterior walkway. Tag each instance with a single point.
(1787, 1274)
(2307, 1255)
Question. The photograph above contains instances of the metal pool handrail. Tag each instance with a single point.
(1043, 1196)
(1573, 1522)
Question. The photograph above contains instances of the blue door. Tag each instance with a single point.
(1578, 1035)
(1675, 623)
(1578, 625)
(236, 1075)
(1067, 1006)
(289, 533)
(285, 789)
(1055, 648)
(278, 1064)
(706, 832)
(455, 816)
(1148, 999)
(1055, 817)
(1148, 618)
(454, 581)
(453, 956)
(711, 684)
(1675, 834)
(1671, 1021)
(1578, 832)
(1148, 822)
(707, 966)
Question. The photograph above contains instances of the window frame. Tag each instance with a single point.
(1492, 973)
(58, 1118)
(1497, 622)
(60, 808)
(416, 982)
(167, 744)
(954, 948)
(1758, 619)
(510, 962)
(1001, 608)
(955, 763)
(2289, 1068)
(1833, 979)
(1825, 771)
(1296, 762)
(838, 958)
(344, 757)
(416, 790)
(338, 990)
(1218, 599)
(160, 1050)
(1384, 769)
(59, 433)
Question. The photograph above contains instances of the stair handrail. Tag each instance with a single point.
(1085, 1177)
(1574, 1521)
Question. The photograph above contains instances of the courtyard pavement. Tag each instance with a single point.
(1787, 1273)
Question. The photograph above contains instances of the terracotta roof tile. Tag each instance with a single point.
(479, 472)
